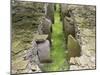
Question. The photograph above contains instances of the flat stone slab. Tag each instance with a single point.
(14, 46)
(40, 38)
(18, 46)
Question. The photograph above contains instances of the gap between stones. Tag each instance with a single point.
(58, 56)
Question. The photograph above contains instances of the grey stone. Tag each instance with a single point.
(69, 26)
(35, 59)
(44, 51)
(47, 28)
(34, 47)
(63, 10)
(46, 25)
(50, 12)
(30, 53)
(35, 68)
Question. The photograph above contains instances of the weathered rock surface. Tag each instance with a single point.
(50, 12)
(47, 27)
(44, 51)
(63, 11)
(84, 20)
(20, 64)
(40, 38)
(35, 68)
(73, 46)
(69, 27)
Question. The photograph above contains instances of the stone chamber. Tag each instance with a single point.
(49, 37)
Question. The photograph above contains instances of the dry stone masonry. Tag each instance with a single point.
(31, 35)
(80, 24)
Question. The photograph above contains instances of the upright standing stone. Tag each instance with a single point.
(47, 28)
(50, 12)
(73, 46)
(44, 51)
(69, 26)
(63, 8)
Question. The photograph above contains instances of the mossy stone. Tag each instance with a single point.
(40, 38)
(74, 48)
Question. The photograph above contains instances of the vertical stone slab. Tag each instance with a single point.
(47, 28)
(63, 8)
(74, 49)
(50, 12)
(44, 51)
(69, 26)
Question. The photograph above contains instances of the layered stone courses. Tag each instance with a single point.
(34, 21)
(28, 32)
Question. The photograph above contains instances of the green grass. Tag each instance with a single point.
(58, 55)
